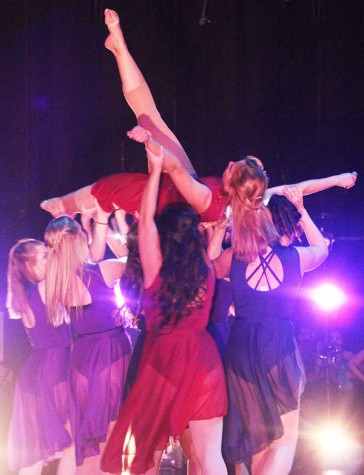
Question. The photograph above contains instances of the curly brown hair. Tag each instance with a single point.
(184, 269)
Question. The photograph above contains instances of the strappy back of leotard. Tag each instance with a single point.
(265, 273)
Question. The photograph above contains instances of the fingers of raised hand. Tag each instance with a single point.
(293, 193)
(138, 134)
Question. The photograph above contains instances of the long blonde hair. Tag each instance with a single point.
(21, 277)
(252, 225)
(67, 256)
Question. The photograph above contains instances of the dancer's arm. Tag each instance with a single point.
(120, 218)
(195, 193)
(344, 180)
(97, 246)
(112, 270)
(117, 236)
(313, 255)
(148, 238)
(222, 264)
(214, 248)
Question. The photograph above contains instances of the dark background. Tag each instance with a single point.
(279, 79)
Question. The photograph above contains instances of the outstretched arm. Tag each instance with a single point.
(195, 193)
(344, 180)
(148, 238)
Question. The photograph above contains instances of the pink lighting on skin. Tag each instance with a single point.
(328, 297)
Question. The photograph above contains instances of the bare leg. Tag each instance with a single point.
(197, 194)
(240, 469)
(137, 92)
(80, 201)
(91, 465)
(277, 459)
(206, 439)
(67, 464)
(157, 460)
(193, 467)
(35, 469)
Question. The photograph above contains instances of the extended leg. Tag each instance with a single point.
(80, 201)
(137, 92)
(277, 458)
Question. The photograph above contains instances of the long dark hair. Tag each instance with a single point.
(285, 217)
(184, 269)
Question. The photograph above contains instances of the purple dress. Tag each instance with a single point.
(40, 408)
(99, 363)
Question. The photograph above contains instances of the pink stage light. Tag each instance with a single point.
(118, 295)
(328, 297)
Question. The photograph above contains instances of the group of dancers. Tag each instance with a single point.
(233, 401)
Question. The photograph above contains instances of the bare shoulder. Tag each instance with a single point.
(111, 270)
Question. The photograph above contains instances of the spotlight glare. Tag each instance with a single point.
(118, 295)
(328, 297)
(337, 450)
(331, 440)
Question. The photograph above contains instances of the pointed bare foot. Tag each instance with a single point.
(115, 41)
(55, 207)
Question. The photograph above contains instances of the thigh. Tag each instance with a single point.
(205, 433)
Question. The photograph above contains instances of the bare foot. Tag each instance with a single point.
(55, 207)
(115, 41)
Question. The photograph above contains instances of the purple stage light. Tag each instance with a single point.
(328, 297)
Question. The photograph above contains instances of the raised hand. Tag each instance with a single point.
(295, 196)
(347, 180)
(139, 134)
(155, 160)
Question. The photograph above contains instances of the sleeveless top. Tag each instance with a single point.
(275, 303)
(44, 335)
(102, 313)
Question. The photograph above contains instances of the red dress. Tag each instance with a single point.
(126, 189)
(180, 379)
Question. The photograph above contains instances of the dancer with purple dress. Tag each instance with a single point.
(101, 349)
(40, 413)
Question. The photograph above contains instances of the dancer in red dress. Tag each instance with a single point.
(180, 380)
(208, 195)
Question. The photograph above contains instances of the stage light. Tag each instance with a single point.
(328, 297)
(120, 237)
(338, 452)
(123, 313)
(118, 295)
